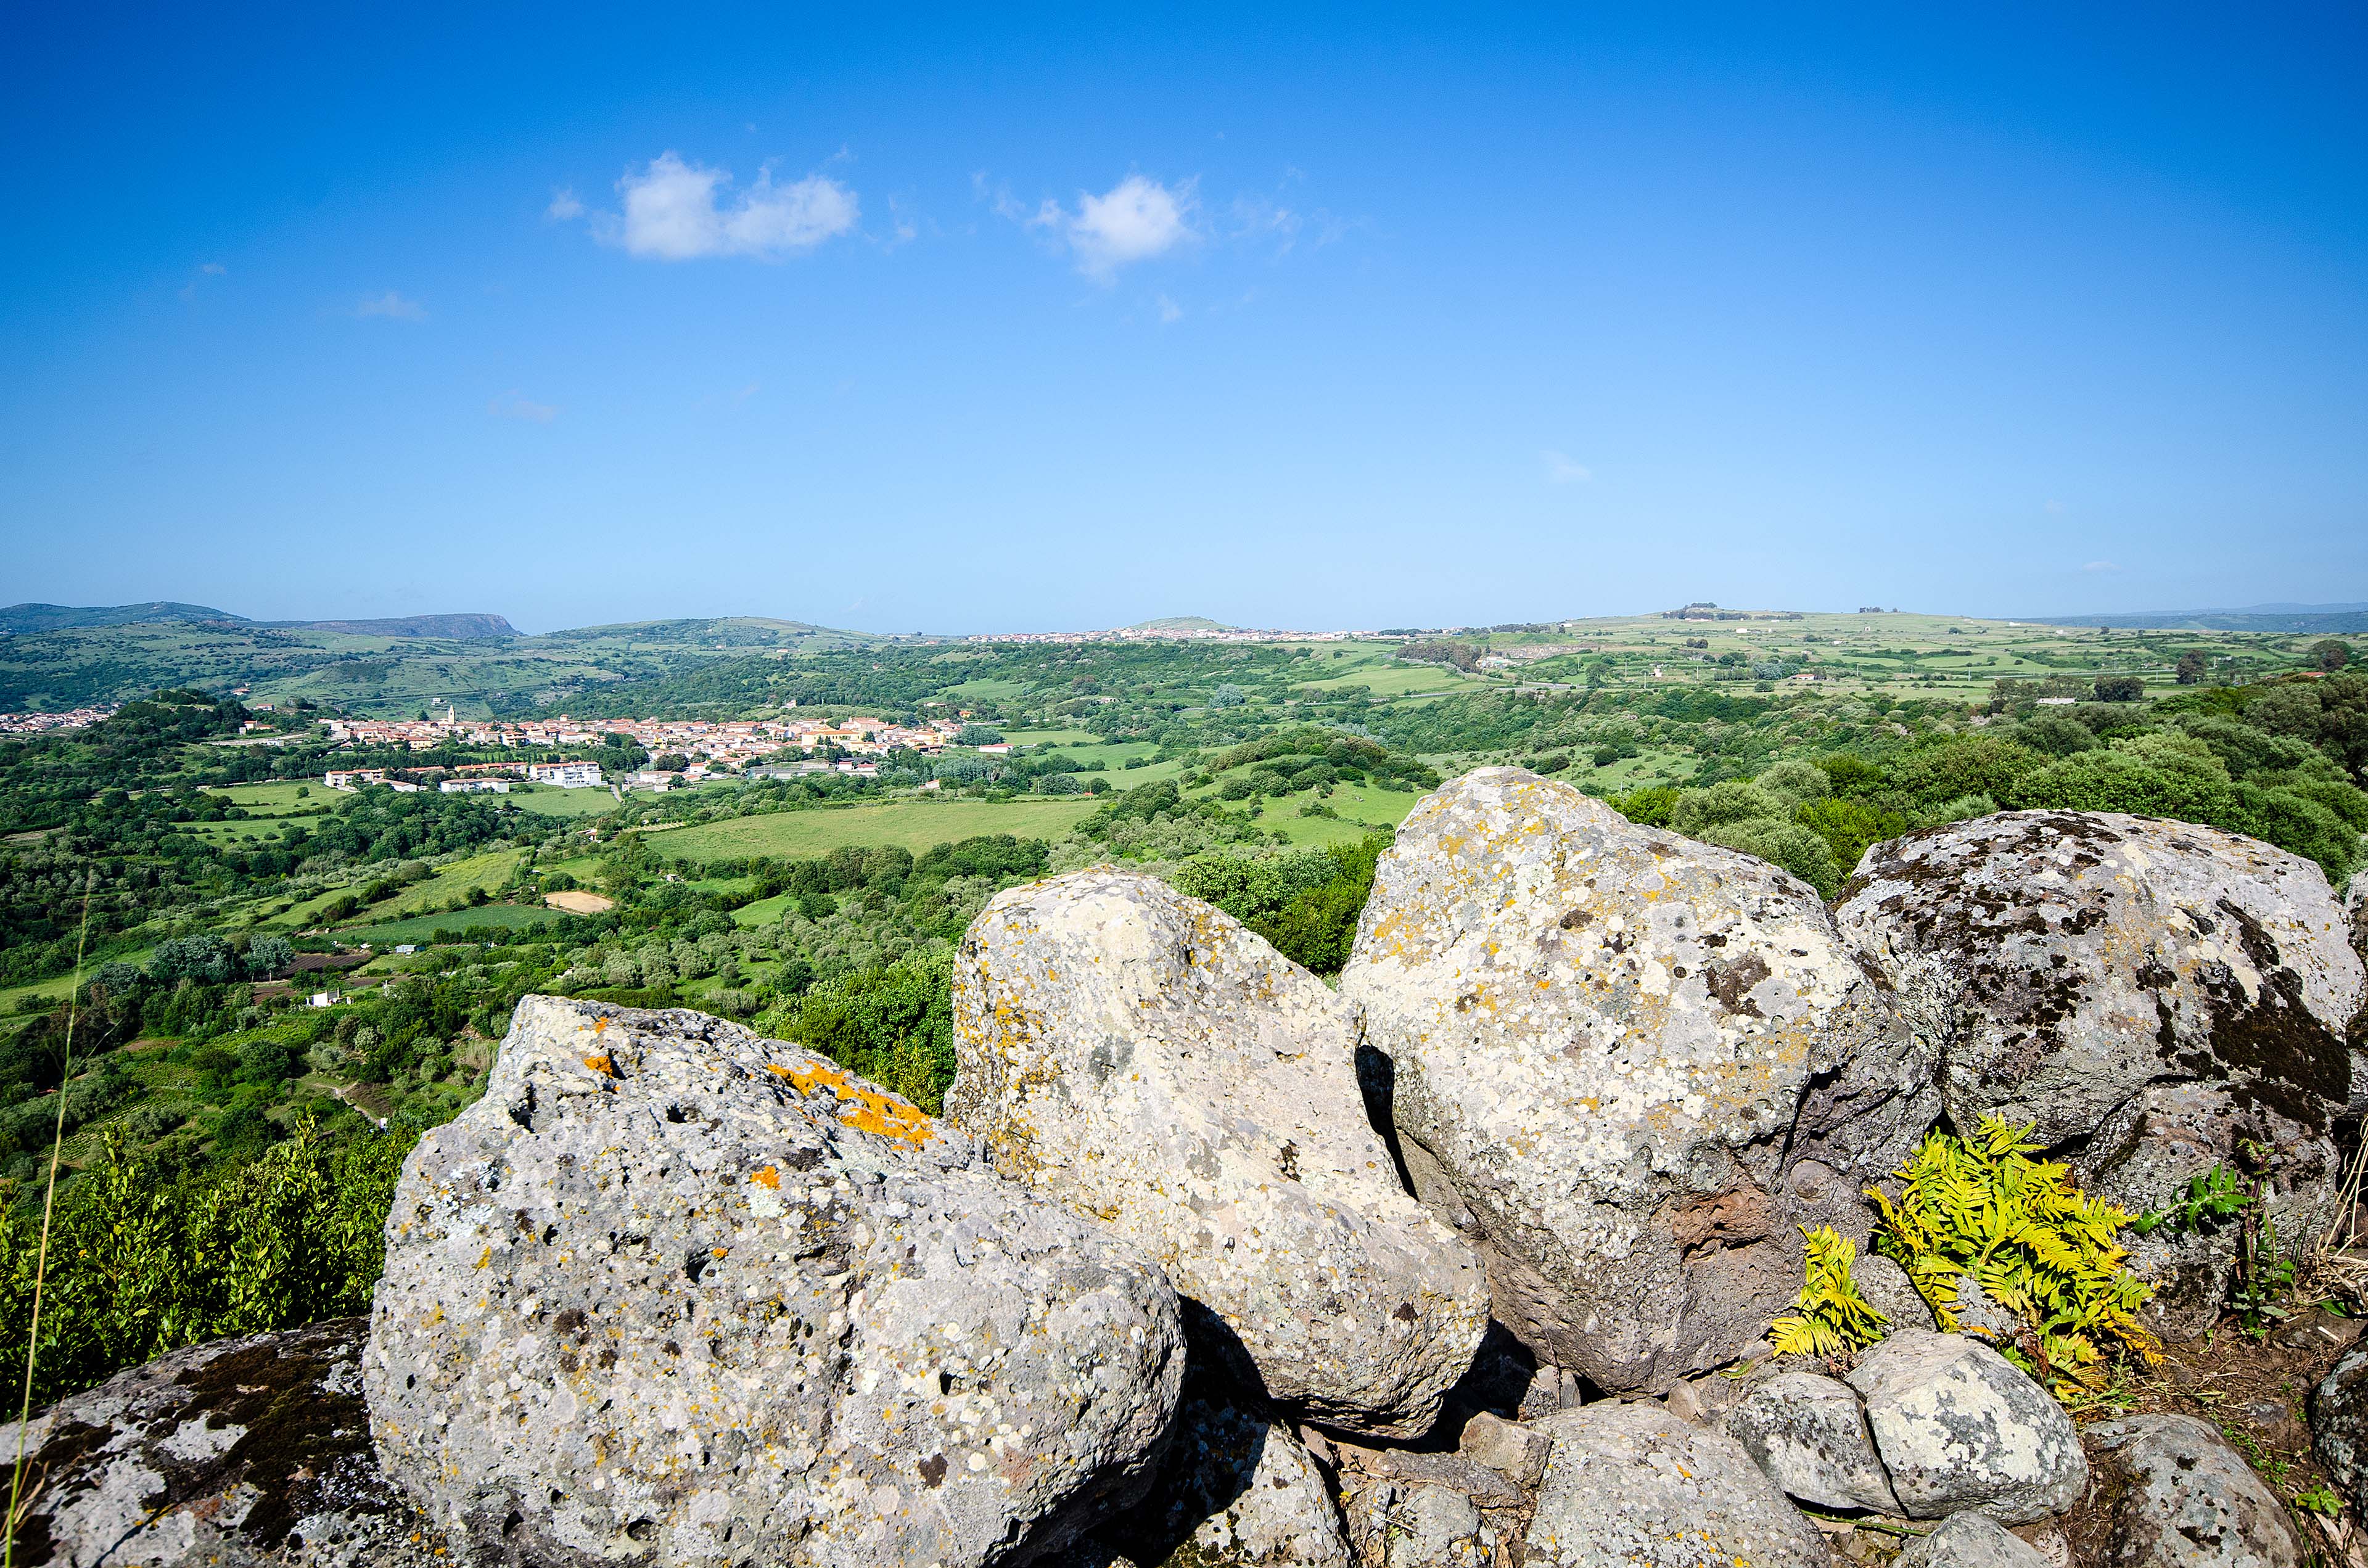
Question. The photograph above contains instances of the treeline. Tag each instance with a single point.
(2286, 771)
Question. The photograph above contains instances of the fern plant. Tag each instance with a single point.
(2212, 1197)
(1829, 1317)
(1982, 1206)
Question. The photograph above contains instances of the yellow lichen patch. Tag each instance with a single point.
(602, 1065)
(769, 1177)
(720, 1252)
(864, 1109)
(484, 1257)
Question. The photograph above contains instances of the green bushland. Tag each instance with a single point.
(140, 1261)
(1307, 902)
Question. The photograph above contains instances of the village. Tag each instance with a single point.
(753, 746)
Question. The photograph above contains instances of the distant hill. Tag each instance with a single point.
(1179, 623)
(466, 628)
(2289, 620)
(22, 618)
(730, 632)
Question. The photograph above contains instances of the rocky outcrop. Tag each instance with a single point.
(2174, 1494)
(1959, 1427)
(236, 1452)
(1628, 1065)
(1629, 1485)
(1141, 1057)
(2143, 1156)
(1810, 1436)
(672, 1293)
(2064, 961)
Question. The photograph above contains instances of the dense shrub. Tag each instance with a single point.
(139, 1264)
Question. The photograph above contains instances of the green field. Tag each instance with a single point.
(421, 927)
(914, 824)
(549, 800)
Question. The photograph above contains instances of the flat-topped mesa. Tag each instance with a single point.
(1140, 1056)
(672, 1293)
(1629, 1066)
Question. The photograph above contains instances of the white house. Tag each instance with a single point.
(475, 786)
(567, 775)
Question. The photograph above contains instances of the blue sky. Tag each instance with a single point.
(964, 322)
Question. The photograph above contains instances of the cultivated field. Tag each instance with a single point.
(914, 824)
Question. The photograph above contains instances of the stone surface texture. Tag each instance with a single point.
(1142, 1057)
(230, 1453)
(1629, 1065)
(2143, 1156)
(2339, 1426)
(1970, 1540)
(1434, 1526)
(2175, 1496)
(1888, 1291)
(1237, 1490)
(1959, 1427)
(1631, 1484)
(672, 1293)
(2064, 961)
(1808, 1433)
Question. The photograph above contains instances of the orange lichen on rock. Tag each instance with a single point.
(770, 1177)
(874, 1110)
(602, 1065)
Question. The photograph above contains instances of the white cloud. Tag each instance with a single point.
(678, 211)
(2099, 566)
(1169, 310)
(1560, 470)
(510, 405)
(565, 207)
(1134, 221)
(393, 306)
(213, 270)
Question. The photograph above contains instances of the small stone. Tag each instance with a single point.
(1433, 1526)
(1631, 1486)
(1512, 1449)
(1888, 1291)
(1970, 1540)
(2178, 1496)
(1809, 1435)
(1959, 1427)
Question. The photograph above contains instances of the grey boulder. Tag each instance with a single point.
(1959, 1427)
(2174, 1494)
(1810, 1436)
(231, 1454)
(2064, 961)
(1434, 1526)
(2147, 1152)
(672, 1293)
(1630, 1066)
(1631, 1485)
(1970, 1540)
(1141, 1057)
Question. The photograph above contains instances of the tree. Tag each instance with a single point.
(269, 956)
(2120, 688)
(2192, 667)
(2331, 654)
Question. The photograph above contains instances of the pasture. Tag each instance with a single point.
(914, 824)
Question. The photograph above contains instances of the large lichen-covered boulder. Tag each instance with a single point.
(2064, 961)
(1630, 1066)
(1141, 1057)
(232, 1453)
(1631, 1487)
(672, 1293)
(1808, 1433)
(2143, 1157)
